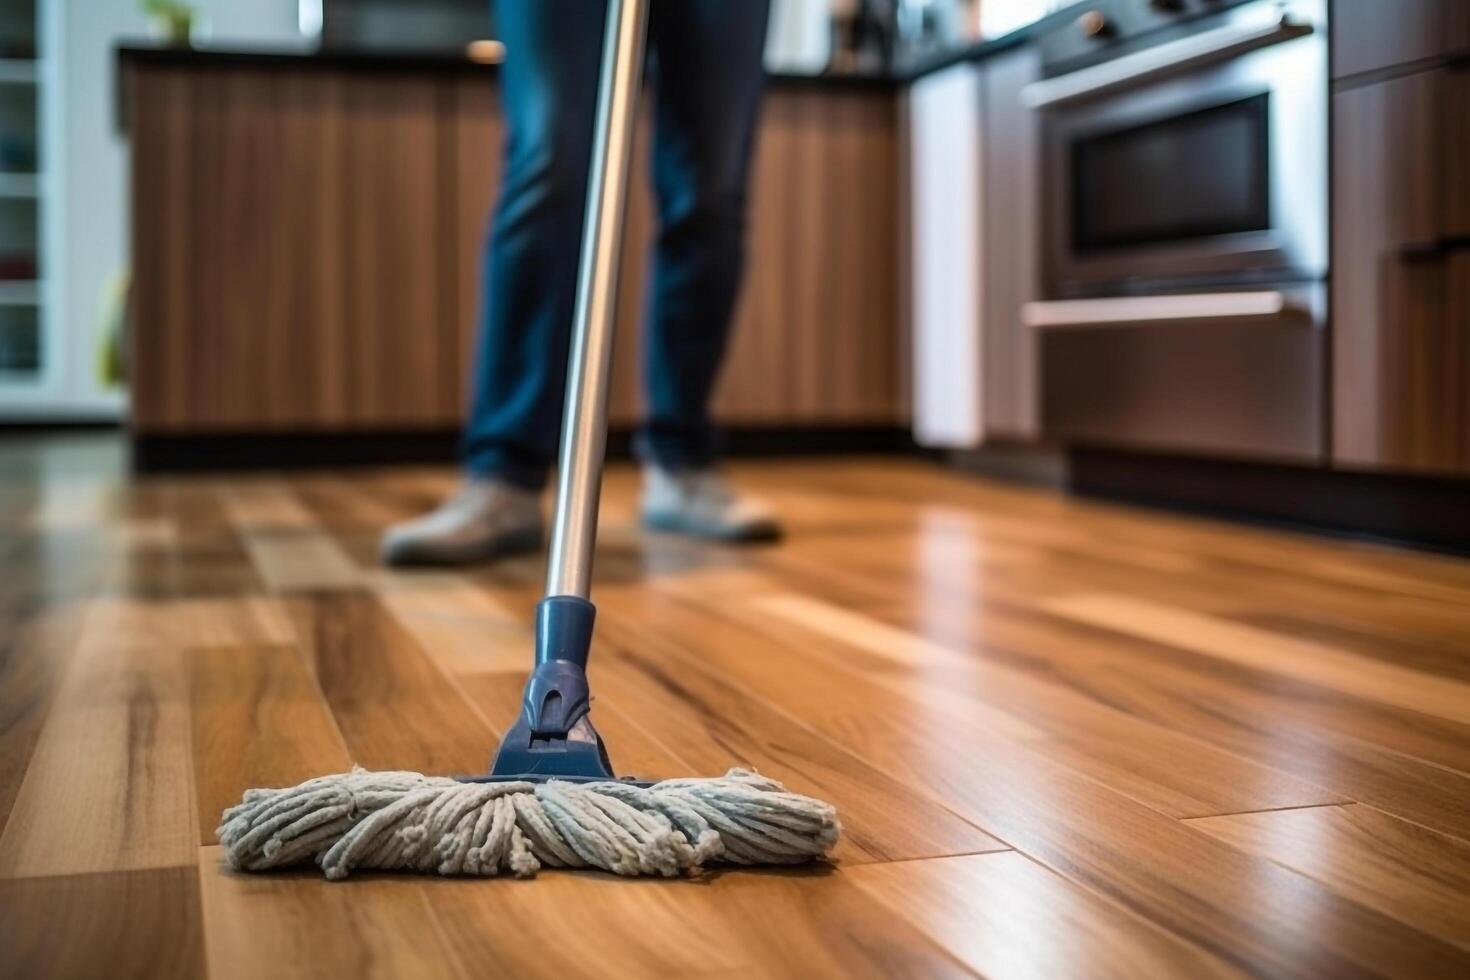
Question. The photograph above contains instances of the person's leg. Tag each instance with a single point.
(549, 91)
(707, 55)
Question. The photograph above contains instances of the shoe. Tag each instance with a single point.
(484, 520)
(701, 503)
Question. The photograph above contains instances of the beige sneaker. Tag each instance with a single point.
(484, 520)
(701, 503)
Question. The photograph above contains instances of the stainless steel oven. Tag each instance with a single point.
(1184, 224)
(1195, 159)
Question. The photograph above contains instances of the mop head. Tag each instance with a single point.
(404, 821)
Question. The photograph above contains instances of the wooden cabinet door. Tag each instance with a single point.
(290, 246)
(1371, 35)
(1454, 175)
(1423, 368)
(402, 348)
(818, 337)
(307, 248)
(234, 311)
(1400, 318)
(478, 129)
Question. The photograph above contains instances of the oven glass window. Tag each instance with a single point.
(1187, 176)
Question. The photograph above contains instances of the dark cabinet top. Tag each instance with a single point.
(138, 53)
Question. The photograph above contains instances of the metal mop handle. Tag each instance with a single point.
(584, 425)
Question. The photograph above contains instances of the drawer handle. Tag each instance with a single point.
(1435, 249)
(1144, 310)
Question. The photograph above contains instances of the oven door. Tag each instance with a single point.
(1198, 162)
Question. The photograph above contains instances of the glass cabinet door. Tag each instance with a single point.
(21, 196)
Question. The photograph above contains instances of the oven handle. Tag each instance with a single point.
(1126, 311)
(1165, 59)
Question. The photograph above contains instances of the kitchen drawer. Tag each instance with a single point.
(1247, 385)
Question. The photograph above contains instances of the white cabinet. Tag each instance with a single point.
(974, 154)
(945, 219)
(75, 198)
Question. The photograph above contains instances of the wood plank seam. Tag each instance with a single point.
(1414, 875)
(1205, 962)
(846, 626)
(1214, 637)
(692, 664)
(624, 716)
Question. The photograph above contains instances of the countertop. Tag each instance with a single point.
(149, 53)
(143, 52)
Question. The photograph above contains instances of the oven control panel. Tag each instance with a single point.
(1096, 30)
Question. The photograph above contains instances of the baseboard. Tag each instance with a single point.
(152, 453)
(1028, 465)
(312, 450)
(1423, 512)
(808, 440)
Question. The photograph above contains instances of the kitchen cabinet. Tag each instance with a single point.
(1454, 171)
(945, 266)
(395, 253)
(1010, 164)
(974, 158)
(307, 241)
(1401, 274)
(1373, 35)
(289, 246)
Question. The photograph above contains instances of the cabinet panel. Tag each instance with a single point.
(820, 314)
(1425, 363)
(1401, 362)
(287, 232)
(239, 285)
(404, 347)
(1011, 151)
(157, 307)
(478, 137)
(945, 200)
(973, 219)
(308, 249)
(1455, 133)
(1368, 35)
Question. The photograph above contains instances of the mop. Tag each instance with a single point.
(551, 798)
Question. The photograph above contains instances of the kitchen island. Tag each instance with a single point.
(306, 240)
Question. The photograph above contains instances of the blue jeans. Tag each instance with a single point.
(705, 58)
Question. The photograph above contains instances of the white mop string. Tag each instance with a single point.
(404, 821)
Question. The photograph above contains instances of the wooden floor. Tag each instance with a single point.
(1066, 739)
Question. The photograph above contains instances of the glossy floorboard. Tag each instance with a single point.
(1066, 739)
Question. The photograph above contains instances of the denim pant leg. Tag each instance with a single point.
(549, 90)
(709, 75)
